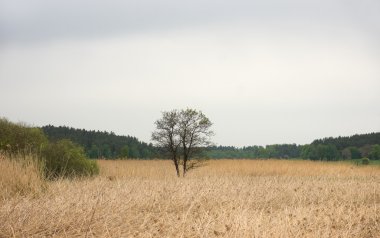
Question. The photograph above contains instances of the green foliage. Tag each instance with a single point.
(134, 152)
(106, 151)
(320, 152)
(94, 152)
(355, 152)
(342, 142)
(352, 147)
(310, 152)
(19, 138)
(365, 150)
(60, 159)
(124, 152)
(254, 152)
(365, 161)
(66, 159)
(99, 144)
(375, 153)
(329, 149)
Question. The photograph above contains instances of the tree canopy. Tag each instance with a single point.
(182, 134)
(102, 144)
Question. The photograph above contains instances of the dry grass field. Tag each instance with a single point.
(224, 198)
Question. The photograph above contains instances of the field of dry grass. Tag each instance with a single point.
(20, 177)
(224, 198)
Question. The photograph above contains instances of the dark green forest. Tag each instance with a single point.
(342, 142)
(327, 149)
(102, 144)
(284, 151)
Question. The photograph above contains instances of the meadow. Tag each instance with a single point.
(222, 198)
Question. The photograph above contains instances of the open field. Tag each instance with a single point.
(224, 198)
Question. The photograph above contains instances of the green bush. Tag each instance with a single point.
(66, 159)
(18, 138)
(365, 161)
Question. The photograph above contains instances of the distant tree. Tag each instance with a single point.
(166, 136)
(145, 153)
(355, 152)
(124, 153)
(262, 153)
(365, 150)
(320, 152)
(94, 152)
(375, 153)
(346, 153)
(195, 133)
(106, 151)
(134, 151)
(184, 132)
(271, 151)
(327, 152)
(310, 152)
(355, 140)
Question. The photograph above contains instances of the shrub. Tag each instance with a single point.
(66, 159)
(365, 161)
(20, 138)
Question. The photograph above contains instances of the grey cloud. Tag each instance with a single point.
(41, 20)
(272, 71)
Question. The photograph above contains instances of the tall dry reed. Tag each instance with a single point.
(226, 198)
(20, 175)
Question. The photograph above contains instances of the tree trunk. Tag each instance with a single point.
(176, 166)
(184, 165)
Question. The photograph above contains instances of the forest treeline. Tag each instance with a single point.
(253, 152)
(342, 142)
(329, 149)
(102, 144)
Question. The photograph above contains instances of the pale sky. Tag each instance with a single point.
(264, 72)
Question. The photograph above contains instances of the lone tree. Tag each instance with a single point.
(166, 136)
(182, 132)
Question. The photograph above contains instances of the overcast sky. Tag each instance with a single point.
(264, 72)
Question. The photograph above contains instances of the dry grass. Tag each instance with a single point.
(20, 176)
(226, 198)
